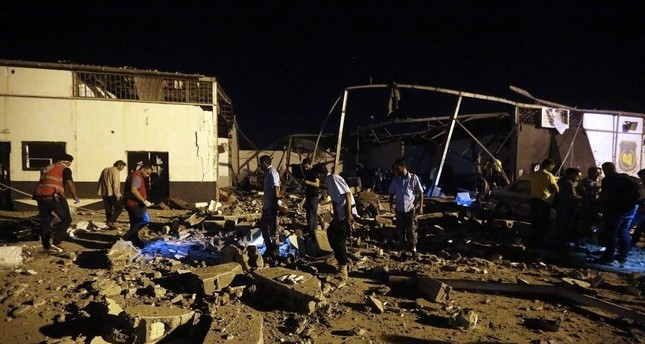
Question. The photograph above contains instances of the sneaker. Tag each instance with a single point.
(70, 232)
(56, 249)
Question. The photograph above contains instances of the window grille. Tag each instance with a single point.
(143, 88)
(36, 155)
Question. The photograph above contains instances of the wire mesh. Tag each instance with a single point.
(143, 88)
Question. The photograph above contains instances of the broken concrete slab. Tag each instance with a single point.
(151, 324)
(305, 296)
(375, 304)
(433, 289)
(211, 279)
(121, 254)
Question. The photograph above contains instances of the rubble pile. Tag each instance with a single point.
(201, 278)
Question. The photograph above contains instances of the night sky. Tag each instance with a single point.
(285, 62)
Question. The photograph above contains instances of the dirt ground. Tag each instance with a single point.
(42, 300)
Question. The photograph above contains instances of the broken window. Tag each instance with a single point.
(36, 155)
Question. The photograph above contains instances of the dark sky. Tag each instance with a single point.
(284, 62)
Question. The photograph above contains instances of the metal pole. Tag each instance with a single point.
(445, 148)
(485, 149)
(340, 131)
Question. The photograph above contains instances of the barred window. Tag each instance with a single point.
(38, 154)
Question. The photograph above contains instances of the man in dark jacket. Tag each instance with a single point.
(568, 207)
(618, 206)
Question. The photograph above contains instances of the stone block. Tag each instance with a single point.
(151, 324)
(211, 279)
(305, 296)
(434, 290)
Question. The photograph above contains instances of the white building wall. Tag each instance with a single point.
(98, 132)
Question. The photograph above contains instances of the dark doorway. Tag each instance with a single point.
(159, 181)
(5, 180)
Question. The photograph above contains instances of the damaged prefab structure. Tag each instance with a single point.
(513, 134)
(103, 114)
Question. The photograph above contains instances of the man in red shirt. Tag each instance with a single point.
(136, 202)
(50, 195)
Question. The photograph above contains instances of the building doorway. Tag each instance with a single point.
(159, 181)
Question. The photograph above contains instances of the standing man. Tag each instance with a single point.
(543, 186)
(406, 190)
(618, 203)
(568, 204)
(136, 202)
(344, 209)
(270, 206)
(312, 194)
(110, 190)
(50, 195)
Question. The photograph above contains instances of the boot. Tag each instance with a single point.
(342, 271)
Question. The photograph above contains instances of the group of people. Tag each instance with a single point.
(406, 200)
(49, 194)
(615, 203)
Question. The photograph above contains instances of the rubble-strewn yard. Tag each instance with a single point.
(199, 281)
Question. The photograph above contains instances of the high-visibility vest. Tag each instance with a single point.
(130, 200)
(51, 181)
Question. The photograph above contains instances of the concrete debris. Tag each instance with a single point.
(211, 279)
(151, 324)
(376, 305)
(121, 254)
(576, 283)
(197, 273)
(434, 290)
(465, 318)
(305, 296)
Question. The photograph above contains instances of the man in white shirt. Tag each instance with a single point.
(269, 219)
(110, 191)
(344, 208)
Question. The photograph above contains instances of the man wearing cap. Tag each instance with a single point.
(110, 190)
(50, 195)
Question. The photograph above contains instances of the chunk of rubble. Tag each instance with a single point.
(304, 297)
(433, 289)
(150, 324)
(576, 283)
(121, 254)
(212, 279)
(376, 305)
(464, 318)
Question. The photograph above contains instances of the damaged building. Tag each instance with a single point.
(442, 131)
(178, 123)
